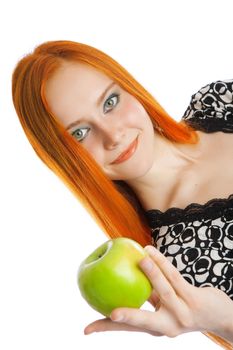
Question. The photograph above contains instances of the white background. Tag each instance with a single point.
(172, 48)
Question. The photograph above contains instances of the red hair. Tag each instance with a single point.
(113, 205)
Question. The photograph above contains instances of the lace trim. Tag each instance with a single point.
(207, 125)
(194, 211)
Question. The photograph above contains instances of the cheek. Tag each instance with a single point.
(132, 112)
(94, 149)
(98, 155)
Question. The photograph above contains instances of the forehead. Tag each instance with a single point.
(76, 76)
(74, 84)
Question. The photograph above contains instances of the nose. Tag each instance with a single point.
(112, 136)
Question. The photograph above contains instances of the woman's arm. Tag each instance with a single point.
(182, 307)
(227, 331)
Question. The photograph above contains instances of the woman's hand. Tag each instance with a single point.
(180, 307)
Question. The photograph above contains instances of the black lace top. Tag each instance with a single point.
(198, 239)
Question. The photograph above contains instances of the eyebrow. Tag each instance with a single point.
(100, 98)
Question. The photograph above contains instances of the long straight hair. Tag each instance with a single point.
(112, 204)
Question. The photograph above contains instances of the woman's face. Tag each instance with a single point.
(104, 118)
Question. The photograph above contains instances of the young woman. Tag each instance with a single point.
(141, 175)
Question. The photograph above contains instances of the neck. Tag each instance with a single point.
(170, 161)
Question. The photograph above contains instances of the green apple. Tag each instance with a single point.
(110, 277)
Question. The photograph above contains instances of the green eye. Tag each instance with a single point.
(111, 102)
(79, 134)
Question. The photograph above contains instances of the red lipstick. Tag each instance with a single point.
(127, 153)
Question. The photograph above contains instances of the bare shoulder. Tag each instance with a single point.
(204, 179)
(210, 145)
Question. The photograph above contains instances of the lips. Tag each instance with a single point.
(127, 153)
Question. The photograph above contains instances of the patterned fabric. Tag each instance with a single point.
(211, 108)
(198, 239)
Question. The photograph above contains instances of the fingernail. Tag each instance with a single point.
(146, 264)
(87, 331)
